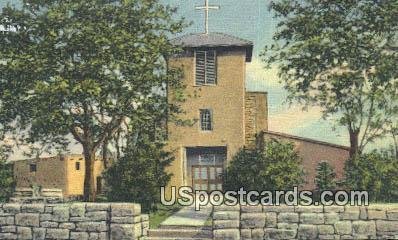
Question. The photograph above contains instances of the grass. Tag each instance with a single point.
(163, 212)
(209, 222)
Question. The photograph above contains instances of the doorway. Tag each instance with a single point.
(206, 166)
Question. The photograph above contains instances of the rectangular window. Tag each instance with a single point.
(206, 120)
(77, 166)
(33, 167)
(206, 67)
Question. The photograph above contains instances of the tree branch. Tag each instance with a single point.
(76, 134)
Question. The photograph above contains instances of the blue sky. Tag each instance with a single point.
(251, 20)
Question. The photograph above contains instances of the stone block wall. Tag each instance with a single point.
(80, 221)
(256, 116)
(305, 222)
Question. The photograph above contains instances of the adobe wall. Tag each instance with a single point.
(75, 178)
(51, 173)
(305, 222)
(56, 172)
(227, 101)
(312, 153)
(78, 221)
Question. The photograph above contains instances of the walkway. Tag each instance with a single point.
(188, 217)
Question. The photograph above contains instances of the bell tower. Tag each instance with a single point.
(214, 74)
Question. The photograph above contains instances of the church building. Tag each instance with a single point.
(226, 117)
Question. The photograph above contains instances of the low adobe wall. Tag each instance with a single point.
(72, 221)
(301, 222)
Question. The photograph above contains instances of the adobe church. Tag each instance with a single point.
(227, 116)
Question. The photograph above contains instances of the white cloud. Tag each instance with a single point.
(259, 78)
(294, 117)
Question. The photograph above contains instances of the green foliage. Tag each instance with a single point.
(276, 166)
(376, 172)
(139, 174)
(84, 68)
(341, 56)
(326, 177)
(7, 183)
(160, 214)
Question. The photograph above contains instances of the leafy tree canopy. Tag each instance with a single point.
(342, 56)
(83, 68)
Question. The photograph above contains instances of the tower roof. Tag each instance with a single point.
(220, 40)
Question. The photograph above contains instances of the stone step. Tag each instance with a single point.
(184, 227)
(180, 233)
(160, 238)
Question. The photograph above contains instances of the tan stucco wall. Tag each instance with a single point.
(226, 100)
(312, 153)
(75, 178)
(51, 173)
(55, 172)
(256, 115)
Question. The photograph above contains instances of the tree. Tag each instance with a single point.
(7, 183)
(275, 166)
(83, 68)
(394, 134)
(139, 174)
(326, 177)
(340, 55)
(375, 172)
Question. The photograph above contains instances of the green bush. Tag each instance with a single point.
(7, 183)
(275, 166)
(325, 178)
(375, 172)
(139, 174)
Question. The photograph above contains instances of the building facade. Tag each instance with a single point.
(225, 115)
(313, 152)
(62, 172)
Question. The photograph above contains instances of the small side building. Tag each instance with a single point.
(313, 152)
(64, 172)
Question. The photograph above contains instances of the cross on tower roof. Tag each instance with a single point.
(207, 8)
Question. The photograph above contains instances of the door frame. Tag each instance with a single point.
(218, 179)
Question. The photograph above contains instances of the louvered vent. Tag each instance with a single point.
(200, 67)
(206, 70)
(211, 67)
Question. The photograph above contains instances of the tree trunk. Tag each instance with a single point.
(89, 178)
(117, 145)
(395, 138)
(105, 154)
(354, 143)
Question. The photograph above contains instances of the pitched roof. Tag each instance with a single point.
(288, 136)
(214, 40)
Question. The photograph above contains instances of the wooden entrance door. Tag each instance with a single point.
(207, 177)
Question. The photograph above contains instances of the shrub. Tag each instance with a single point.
(139, 174)
(375, 172)
(325, 178)
(275, 166)
(7, 183)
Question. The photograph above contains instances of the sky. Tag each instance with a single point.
(251, 20)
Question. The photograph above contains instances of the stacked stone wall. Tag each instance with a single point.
(80, 221)
(305, 222)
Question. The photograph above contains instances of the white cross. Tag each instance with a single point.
(207, 8)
